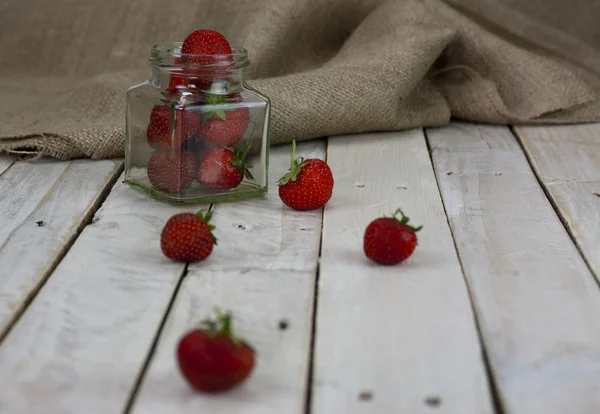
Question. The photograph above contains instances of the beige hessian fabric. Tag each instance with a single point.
(330, 66)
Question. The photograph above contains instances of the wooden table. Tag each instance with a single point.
(497, 311)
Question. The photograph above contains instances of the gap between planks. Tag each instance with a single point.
(492, 385)
(315, 309)
(566, 162)
(5, 162)
(152, 350)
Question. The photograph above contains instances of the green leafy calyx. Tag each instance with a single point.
(221, 326)
(404, 220)
(296, 166)
(206, 218)
(221, 112)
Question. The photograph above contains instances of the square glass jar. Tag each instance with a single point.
(195, 132)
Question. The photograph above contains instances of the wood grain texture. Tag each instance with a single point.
(5, 162)
(567, 161)
(263, 269)
(35, 244)
(395, 339)
(82, 342)
(537, 304)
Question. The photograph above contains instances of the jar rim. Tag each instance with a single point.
(169, 54)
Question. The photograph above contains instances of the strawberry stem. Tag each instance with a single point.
(296, 165)
(404, 220)
(225, 320)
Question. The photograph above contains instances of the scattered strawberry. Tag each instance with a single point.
(188, 237)
(171, 171)
(185, 124)
(224, 168)
(212, 359)
(308, 185)
(225, 127)
(388, 240)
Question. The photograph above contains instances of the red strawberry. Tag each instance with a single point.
(186, 124)
(212, 359)
(188, 237)
(224, 168)
(171, 171)
(388, 240)
(204, 42)
(308, 185)
(213, 54)
(226, 127)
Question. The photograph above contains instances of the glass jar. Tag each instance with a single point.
(195, 132)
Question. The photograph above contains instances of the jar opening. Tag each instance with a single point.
(168, 56)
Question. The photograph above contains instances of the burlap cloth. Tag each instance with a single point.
(330, 66)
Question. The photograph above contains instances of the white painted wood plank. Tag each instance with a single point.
(537, 304)
(567, 160)
(462, 136)
(22, 188)
(32, 249)
(425, 349)
(5, 162)
(264, 271)
(82, 342)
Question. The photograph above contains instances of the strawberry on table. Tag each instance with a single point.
(171, 171)
(224, 168)
(308, 185)
(388, 240)
(225, 127)
(163, 120)
(188, 237)
(212, 359)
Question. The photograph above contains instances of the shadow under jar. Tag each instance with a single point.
(195, 132)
